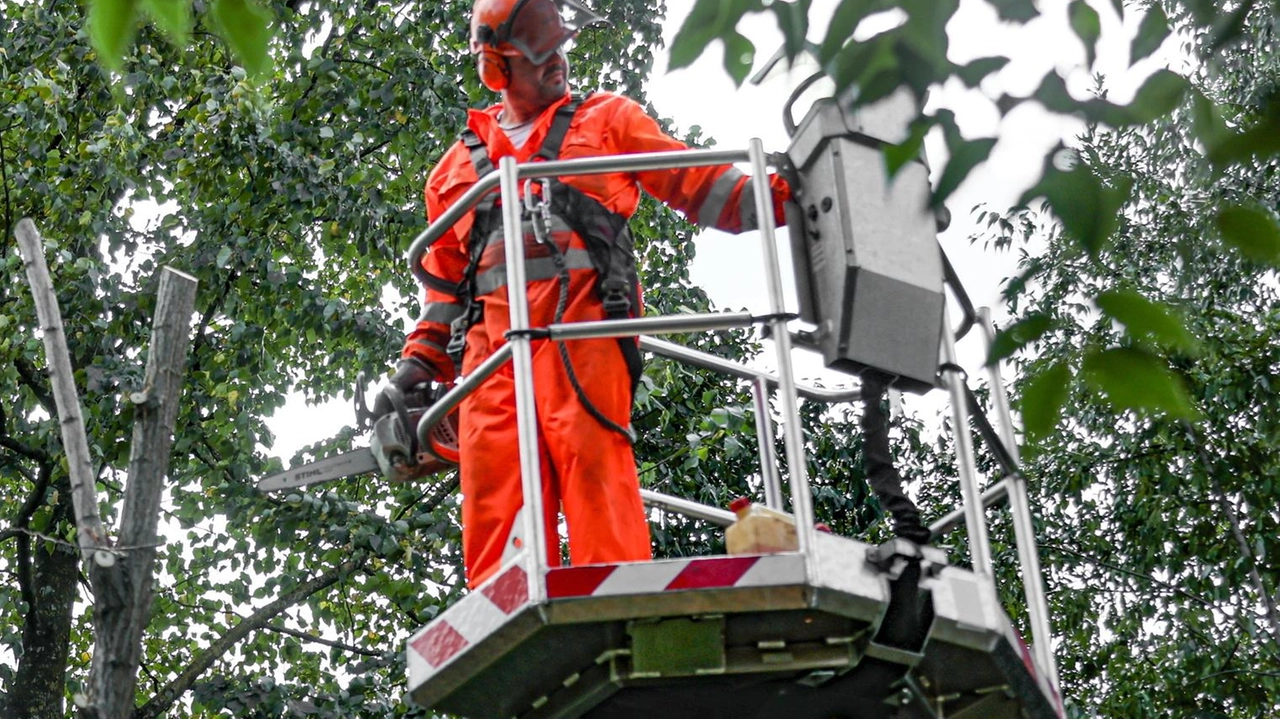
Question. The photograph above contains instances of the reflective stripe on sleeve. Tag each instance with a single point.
(718, 197)
(747, 207)
(429, 346)
(541, 268)
(442, 312)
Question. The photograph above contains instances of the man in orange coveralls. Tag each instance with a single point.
(580, 267)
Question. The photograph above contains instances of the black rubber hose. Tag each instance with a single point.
(877, 459)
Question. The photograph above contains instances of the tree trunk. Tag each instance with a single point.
(122, 592)
(40, 682)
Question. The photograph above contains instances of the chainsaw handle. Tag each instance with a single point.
(401, 410)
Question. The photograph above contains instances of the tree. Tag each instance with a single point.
(913, 55)
(120, 571)
(1142, 333)
(1161, 531)
(289, 190)
(290, 195)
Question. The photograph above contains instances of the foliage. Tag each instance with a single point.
(1160, 526)
(283, 171)
(289, 192)
(1144, 334)
(913, 55)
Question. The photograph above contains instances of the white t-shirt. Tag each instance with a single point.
(518, 134)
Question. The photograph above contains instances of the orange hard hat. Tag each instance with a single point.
(533, 28)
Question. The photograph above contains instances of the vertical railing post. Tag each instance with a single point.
(974, 517)
(522, 359)
(801, 501)
(764, 439)
(1023, 526)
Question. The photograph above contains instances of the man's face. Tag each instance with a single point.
(539, 85)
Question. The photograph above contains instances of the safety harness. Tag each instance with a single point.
(610, 252)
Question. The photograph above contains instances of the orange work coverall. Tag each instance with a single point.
(587, 468)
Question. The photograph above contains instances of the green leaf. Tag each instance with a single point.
(1157, 97)
(739, 55)
(1015, 10)
(1151, 33)
(1159, 94)
(897, 156)
(112, 24)
(1019, 335)
(965, 155)
(173, 17)
(863, 65)
(843, 22)
(793, 22)
(1208, 125)
(925, 34)
(1052, 93)
(1230, 28)
(1087, 26)
(1042, 400)
(1088, 209)
(976, 71)
(224, 255)
(245, 26)
(708, 20)
(1137, 380)
(1203, 12)
(1252, 231)
(1261, 140)
(1148, 320)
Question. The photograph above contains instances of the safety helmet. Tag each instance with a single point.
(533, 28)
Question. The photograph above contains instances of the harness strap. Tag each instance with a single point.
(609, 242)
(550, 149)
(539, 268)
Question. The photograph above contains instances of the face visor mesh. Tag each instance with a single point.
(537, 28)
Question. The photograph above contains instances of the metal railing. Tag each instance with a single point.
(1012, 487)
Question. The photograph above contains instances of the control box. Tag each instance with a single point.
(869, 270)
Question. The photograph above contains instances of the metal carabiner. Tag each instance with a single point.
(539, 208)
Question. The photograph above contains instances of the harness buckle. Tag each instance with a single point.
(615, 295)
(458, 330)
(538, 207)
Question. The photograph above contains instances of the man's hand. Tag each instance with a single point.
(410, 373)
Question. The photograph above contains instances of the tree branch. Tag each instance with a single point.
(11, 444)
(326, 642)
(1268, 604)
(4, 183)
(166, 697)
(1130, 573)
(90, 532)
(31, 377)
(1242, 542)
(26, 583)
(123, 591)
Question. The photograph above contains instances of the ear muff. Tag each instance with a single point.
(495, 72)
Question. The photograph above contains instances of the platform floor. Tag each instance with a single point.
(741, 636)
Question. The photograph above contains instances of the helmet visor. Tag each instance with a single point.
(537, 28)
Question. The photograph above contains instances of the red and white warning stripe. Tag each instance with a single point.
(483, 611)
(469, 620)
(675, 575)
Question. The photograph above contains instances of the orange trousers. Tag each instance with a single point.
(588, 470)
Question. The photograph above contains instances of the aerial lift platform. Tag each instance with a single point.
(830, 627)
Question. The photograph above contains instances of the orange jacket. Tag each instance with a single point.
(605, 124)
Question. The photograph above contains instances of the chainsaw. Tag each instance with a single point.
(394, 449)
